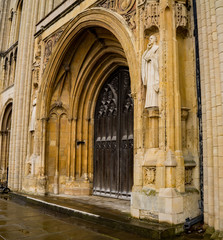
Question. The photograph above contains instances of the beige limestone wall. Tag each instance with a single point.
(210, 31)
(22, 93)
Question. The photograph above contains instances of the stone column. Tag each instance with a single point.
(154, 128)
(170, 136)
(56, 175)
(85, 149)
(12, 75)
(13, 28)
(7, 79)
(23, 76)
(74, 149)
(4, 76)
(69, 149)
(50, 6)
(42, 9)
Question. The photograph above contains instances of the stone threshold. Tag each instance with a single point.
(106, 216)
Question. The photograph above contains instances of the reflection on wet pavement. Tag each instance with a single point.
(24, 222)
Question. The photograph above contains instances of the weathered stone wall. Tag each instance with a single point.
(210, 25)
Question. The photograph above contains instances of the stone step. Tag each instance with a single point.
(100, 215)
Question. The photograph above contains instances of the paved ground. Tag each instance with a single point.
(23, 222)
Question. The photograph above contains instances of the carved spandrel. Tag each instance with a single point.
(126, 8)
(49, 45)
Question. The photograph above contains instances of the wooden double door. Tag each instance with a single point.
(113, 154)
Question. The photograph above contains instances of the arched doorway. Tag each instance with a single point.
(5, 142)
(87, 54)
(113, 149)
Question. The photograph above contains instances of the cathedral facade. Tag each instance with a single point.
(115, 98)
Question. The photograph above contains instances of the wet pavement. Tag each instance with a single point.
(24, 222)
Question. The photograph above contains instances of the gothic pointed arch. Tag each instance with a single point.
(88, 52)
(5, 140)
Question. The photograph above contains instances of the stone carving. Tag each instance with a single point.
(104, 4)
(123, 7)
(49, 45)
(48, 48)
(149, 175)
(181, 15)
(150, 72)
(131, 20)
(36, 64)
(152, 15)
(33, 117)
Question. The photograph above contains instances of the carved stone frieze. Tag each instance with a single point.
(149, 176)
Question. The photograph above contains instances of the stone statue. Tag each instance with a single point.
(33, 117)
(150, 72)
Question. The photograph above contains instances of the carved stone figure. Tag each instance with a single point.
(32, 122)
(150, 72)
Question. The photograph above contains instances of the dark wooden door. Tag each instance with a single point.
(113, 155)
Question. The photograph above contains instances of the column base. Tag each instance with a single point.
(167, 205)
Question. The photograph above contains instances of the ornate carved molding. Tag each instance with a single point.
(181, 15)
(152, 15)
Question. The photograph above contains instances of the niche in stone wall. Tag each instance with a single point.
(58, 132)
(57, 150)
